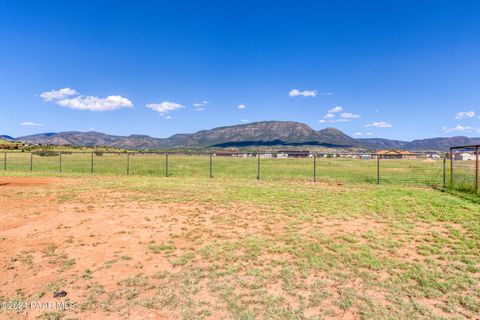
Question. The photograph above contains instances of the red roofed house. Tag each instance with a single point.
(395, 154)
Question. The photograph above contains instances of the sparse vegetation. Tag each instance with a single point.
(194, 248)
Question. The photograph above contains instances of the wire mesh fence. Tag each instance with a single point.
(421, 169)
(465, 168)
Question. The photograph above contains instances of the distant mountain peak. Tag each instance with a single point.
(331, 129)
(266, 133)
(254, 134)
(7, 137)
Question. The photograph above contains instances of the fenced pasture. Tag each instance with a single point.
(465, 169)
(421, 170)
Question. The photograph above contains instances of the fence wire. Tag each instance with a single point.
(422, 169)
(465, 168)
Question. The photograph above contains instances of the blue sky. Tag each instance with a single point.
(393, 69)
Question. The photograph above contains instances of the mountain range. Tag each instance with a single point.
(267, 133)
(5, 137)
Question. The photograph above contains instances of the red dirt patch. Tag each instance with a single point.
(25, 181)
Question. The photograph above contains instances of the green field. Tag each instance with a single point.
(420, 171)
(464, 177)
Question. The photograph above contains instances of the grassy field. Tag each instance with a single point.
(420, 171)
(464, 176)
(195, 248)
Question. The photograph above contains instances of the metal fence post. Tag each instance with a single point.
(476, 169)
(60, 162)
(258, 167)
(451, 167)
(445, 171)
(166, 164)
(91, 164)
(128, 163)
(5, 161)
(314, 168)
(378, 169)
(31, 161)
(211, 169)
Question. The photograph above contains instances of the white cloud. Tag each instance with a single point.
(359, 134)
(69, 98)
(241, 106)
(333, 120)
(58, 94)
(200, 106)
(330, 117)
(465, 115)
(460, 128)
(165, 107)
(348, 115)
(335, 109)
(95, 103)
(244, 120)
(305, 93)
(30, 124)
(379, 124)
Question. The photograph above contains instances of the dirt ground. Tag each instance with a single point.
(44, 240)
(119, 254)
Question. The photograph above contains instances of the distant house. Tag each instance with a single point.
(465, 156)
(395, 154)
(265, 155)
(225, 154)
(293, 154)
(235, 154)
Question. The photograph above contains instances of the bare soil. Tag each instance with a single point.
(121, 255)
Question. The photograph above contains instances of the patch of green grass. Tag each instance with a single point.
(51, 315)
(159, 248)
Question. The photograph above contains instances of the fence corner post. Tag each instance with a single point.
(451, 167)
(315, 168)
(60, 162)
(445, 171)
(476, 168)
